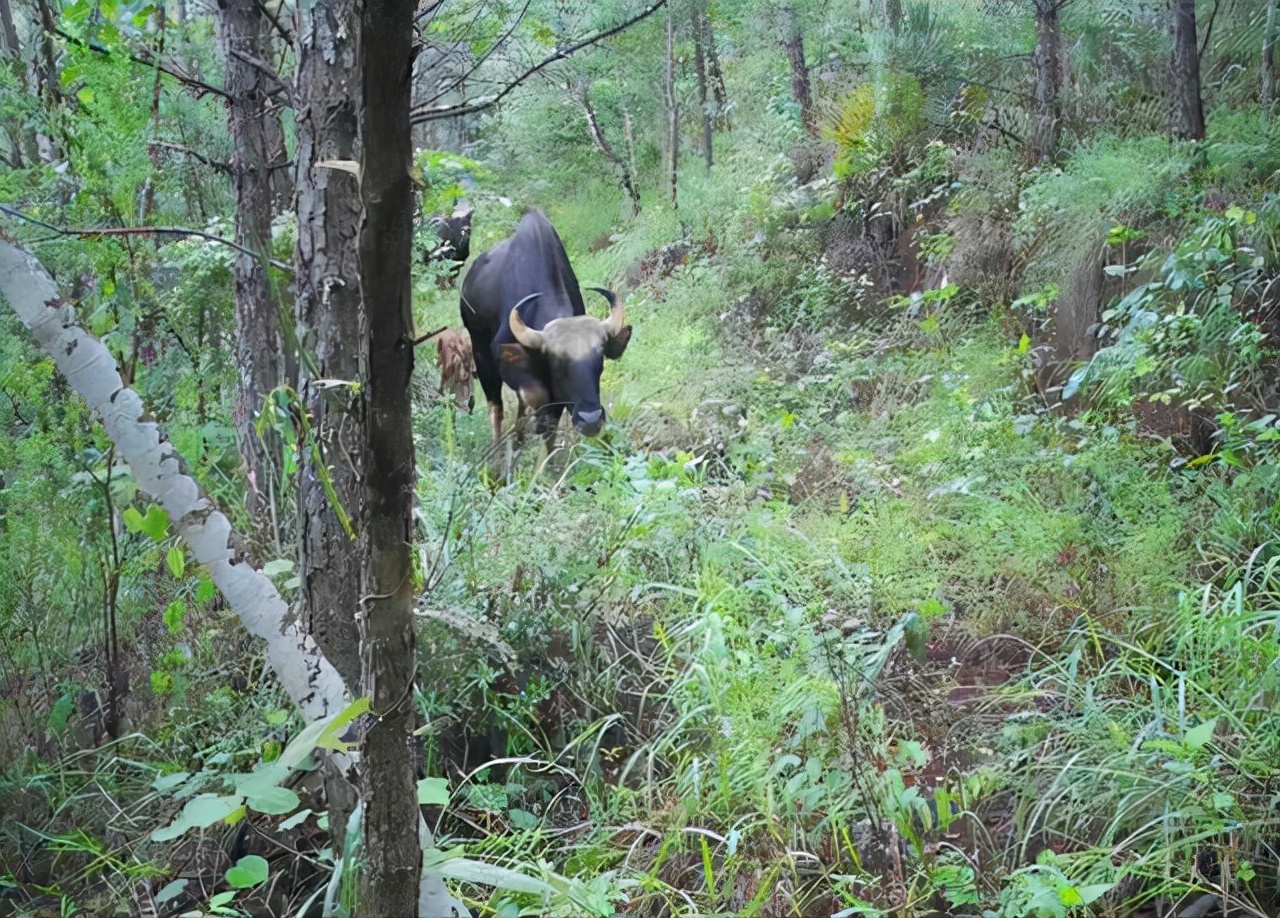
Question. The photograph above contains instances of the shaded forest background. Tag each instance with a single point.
(927, 565)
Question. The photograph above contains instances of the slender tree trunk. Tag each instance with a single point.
(47, 67)
(1045, 113)
(793, 44)
(704, 99)
(393, 858)
(256, 138)
(1188, 110)
(11, 45)
(893, 15)
(1269, 53)
(23, 138)
(715, 74)
(673, 112)
(597, 135)
(327, 318)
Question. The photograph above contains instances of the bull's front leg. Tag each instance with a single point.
(520, 420)
(495, 421)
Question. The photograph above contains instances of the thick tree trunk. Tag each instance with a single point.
(327, 311)
(704, 99)
(625, 177)
(793, 44)
(1188, 111)
(257, 139)
(327, 318)
(393, 858)
(673, 112)
(1045, 113)
(1268, 94)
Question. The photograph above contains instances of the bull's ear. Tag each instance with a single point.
(613, 347)
(514, 355)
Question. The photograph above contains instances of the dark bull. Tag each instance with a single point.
(530, 330)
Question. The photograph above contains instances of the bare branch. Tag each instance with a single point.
(484, 57)
(190, 82)
(142, 231)
(187, 151)
(274, 19)
(280, 87)
(424, 113)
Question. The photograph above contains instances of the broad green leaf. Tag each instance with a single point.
(433, 792)
(277, 567)
(171, 890)
(174, 613)
(248, 871)
(205, 810)
(166, 783)
(177, 561)
(132, 519)
(156, 523)
(296, 819)
(523, 819)
(85, 95)
(274, 801)
(206, 589)
(1090, 894)
(468, 871)
(1198, 736)
(323, 733)
(61, 712)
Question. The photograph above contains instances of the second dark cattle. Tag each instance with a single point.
(530, 329)
(454, 234)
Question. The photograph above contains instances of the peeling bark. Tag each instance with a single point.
(327, 310)
(392, 864)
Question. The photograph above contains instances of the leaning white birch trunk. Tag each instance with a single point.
(308, 678)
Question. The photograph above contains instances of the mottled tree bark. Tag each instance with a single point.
(793, 44)
(1047, 60)
(327, 318)
(715, 75)
(393, 858)
(327, 312)
(1188, 110)
(257, 141)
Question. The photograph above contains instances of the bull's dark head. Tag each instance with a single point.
(574, 348)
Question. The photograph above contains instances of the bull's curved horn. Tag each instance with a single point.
(617, 312)
(530, 338)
